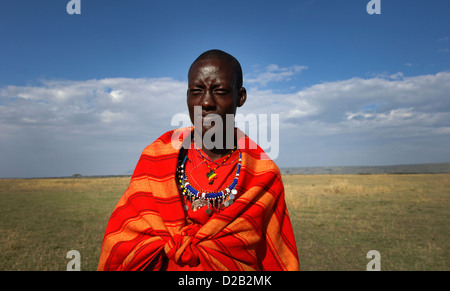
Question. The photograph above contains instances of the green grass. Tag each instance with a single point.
(336, 220)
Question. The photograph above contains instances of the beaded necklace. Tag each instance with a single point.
(211, 175)
(223, 198)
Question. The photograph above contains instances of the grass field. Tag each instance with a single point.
(336, 220)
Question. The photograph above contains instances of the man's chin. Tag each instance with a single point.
(202, 131)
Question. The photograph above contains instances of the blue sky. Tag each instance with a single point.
(115, 38)
(85, 93)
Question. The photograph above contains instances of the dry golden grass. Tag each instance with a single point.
(43, 219)
(336, 220)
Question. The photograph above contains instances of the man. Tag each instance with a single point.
(206, 197)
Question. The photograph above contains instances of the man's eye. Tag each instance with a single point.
(195, 91)
(220, 91)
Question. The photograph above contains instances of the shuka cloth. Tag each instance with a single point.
(149, 229)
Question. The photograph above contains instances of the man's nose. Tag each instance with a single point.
(207, 100)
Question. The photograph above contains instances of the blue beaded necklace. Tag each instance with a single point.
(223, 198)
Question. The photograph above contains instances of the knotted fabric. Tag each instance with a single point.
(182, 248)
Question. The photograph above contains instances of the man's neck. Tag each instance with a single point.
(214, 153)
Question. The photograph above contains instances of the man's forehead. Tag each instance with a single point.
(212, 62)
(211, 67)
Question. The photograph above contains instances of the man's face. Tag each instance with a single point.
(212, 86)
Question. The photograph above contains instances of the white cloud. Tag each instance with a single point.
(63, 127)
(108, 116)
(91, 118)
(273, 73)
(361, 121)
(59, 102)
(116, 96)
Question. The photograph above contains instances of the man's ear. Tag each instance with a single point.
(242, 96)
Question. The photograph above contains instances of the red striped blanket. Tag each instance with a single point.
(148, 229)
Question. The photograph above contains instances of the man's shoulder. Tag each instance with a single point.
(260, 161)
(168, 143)
(256, 158)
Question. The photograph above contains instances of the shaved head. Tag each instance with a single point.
(229, 59)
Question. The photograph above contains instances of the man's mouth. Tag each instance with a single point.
(208, 118)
